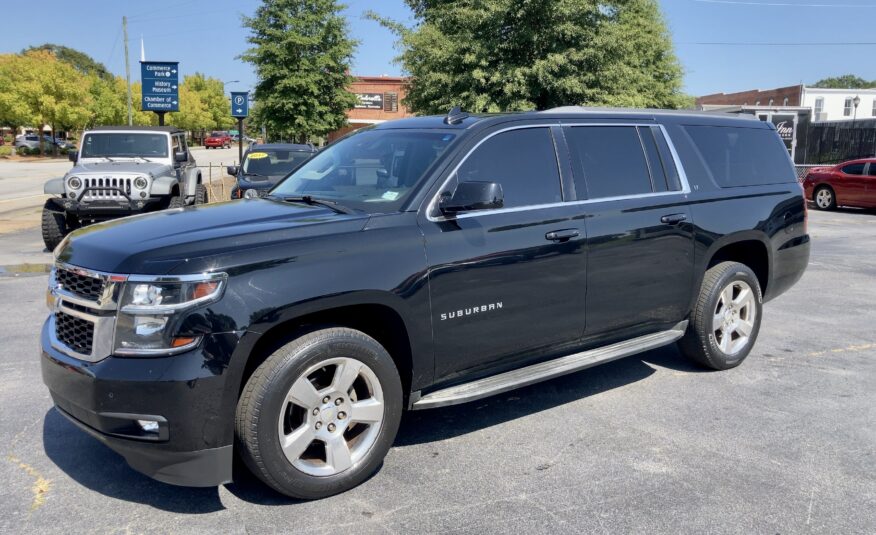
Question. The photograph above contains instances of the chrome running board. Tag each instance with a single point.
(542, 371)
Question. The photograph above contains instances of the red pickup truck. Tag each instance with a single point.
(217, 140)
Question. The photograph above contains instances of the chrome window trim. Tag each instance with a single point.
(682, 175)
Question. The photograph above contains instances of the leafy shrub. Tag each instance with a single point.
(5, 150)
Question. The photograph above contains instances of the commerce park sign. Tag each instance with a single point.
(160, 81)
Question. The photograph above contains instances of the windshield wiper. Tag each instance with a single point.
(307, 199)
(246, 173)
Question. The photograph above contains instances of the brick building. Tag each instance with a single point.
(380, 100)
(782, 96)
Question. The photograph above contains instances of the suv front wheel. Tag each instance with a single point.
(726, 319)
(320, 414)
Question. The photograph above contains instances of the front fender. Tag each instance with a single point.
(163, 185)
(54, 186)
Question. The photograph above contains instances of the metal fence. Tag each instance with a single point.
(803, 169)
(837, 141)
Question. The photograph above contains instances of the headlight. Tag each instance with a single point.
(74, 182)
(140, 183)
(250, 194)
(148, 322)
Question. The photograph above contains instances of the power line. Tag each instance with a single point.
(739, 43)
(780, 4)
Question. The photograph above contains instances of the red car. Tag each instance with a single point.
(217, 140)
(850, 183)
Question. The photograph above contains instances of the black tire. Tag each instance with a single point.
(54, 225)
(201, 194)
(828, 194)
(264, 397)
(700, 343)
(176, 202)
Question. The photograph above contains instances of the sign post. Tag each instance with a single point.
(160, 81)
(240, 110)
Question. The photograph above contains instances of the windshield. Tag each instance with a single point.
(124, 145)
(270, 162)
(374, 170)
(217, 134)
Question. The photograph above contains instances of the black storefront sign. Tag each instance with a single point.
(784, 123)
(369, 101)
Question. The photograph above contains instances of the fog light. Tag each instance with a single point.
(142, 194)
(72, 194)
(148, 426)
(251, 194)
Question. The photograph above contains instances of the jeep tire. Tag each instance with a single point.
(176, 202)
(726, 317)
(201, 194)
(320, 414)
(54, 225)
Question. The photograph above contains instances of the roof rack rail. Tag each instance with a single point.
(455, 116)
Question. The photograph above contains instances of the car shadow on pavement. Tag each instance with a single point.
(98, 468)
(432, 425)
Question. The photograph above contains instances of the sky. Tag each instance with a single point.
(723, 45)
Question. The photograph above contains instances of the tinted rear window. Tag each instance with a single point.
(742, 156)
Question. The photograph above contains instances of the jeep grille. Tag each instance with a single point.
(99, 194)
(86, 287)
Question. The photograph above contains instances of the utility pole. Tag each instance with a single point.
(127, 69)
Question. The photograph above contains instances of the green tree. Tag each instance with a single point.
(302, 55)
(504, 55)
(846, 81)
(211, 93)
(46, 91)
(80, 61)
(14, 111)
(108, 101)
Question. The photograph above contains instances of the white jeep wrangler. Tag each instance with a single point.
(120, 171)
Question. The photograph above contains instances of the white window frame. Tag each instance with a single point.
(847, 107)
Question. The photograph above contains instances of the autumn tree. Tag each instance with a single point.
(302, 55)
(504, 55)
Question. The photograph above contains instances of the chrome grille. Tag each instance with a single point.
(75, 333)
(86, 287)
(106, 182)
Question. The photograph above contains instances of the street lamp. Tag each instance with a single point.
(238, 81)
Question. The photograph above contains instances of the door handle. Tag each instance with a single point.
(562, 235)
(673, 219)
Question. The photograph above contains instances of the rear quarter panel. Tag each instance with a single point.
(773, 215)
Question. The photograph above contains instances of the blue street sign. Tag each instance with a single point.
(239, 104)
(160, 85)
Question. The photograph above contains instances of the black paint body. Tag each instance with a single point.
(622, 273)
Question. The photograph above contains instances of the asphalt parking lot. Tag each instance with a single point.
(784, 444)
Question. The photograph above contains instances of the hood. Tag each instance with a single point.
(156, 243)
(128, 166)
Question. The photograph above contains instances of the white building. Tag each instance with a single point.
(839, 104)
(825, 104)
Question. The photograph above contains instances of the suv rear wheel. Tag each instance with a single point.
(54, 225)
(319, 415)
(726, 319)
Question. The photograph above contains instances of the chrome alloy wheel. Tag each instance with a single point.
(331, 416)
(824, 198)
(734, 317)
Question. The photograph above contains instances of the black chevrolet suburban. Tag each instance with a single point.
(415, 264)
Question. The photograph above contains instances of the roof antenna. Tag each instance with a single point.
(455, 116)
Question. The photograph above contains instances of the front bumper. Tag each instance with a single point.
(106, 208)
(186, 394)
